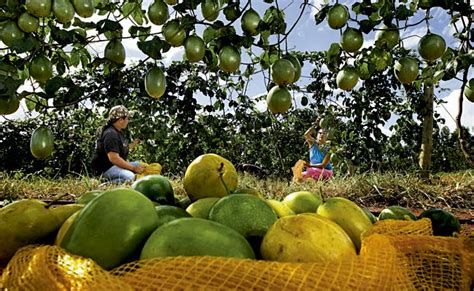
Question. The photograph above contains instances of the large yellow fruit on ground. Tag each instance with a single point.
(64, 228)
(25, 222)
(347, 215)
(200, 208)
(280, 208)
(306, 238)
(303, 201)
(189, 236)
(245, 213)
(210, 175)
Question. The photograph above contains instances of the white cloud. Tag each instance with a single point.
(450, 110)
(411, 37)
(316, 6)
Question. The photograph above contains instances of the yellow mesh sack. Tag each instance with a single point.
(387, 262)
(52, 268)
(429, 262)
(400, 227)
(150, 169)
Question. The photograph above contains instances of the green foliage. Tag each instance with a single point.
(177, 128)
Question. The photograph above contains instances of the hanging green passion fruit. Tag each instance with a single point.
(337, 16)
(229, 59)
(158, 12)
(173, 33)
(39, 8)
(296, 64)
(42, 143)
(250, 21)
(431, 47)
(155, 82)
(41, 69)
(351, 40)
(194, 48)
(27, 22)
(11, 33)
(115, 51)
(210, 9)
(8, 105)
(406, 70)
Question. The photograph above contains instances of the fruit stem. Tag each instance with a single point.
(55, 199)
(222, 179)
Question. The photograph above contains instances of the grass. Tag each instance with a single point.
(447, 190)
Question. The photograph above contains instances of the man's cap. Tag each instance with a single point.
(119, 111)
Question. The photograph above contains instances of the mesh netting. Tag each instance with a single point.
(391, 261)
(150, 169)
(401, 227)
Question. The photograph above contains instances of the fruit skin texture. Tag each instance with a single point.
(351, 40)
(348, 216)
(115, 51)
(250, 21)
(84, 8)
(22, 223)
(280, 208)
(347, 78)
(38, 8)
(196, 237)
(388, 37)
(194, 48)
(306, 237)
(156, 188)
(112, 227)
(158, 12)
(278, 100)
(370, 215)
(27, 22)
(245, 213)
(64, 228)
(9, 105)
(396, 212)
(283, 72)
(469, 90)
(303, 201)
(203, 177)
(155, 83)
(200, 208)
(41, 69)
(337, 16)
(296, 64)
(443, 222)
(167, 213)
(210, 9)
(406, 70)
(63, 11)
(42, 143)
(229, 59)
(173, 34)
(431, 46)
(10, 33)
(88, 196)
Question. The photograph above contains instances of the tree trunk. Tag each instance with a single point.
(461, 130)
(427, 134)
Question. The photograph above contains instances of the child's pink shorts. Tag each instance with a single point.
(317, 173)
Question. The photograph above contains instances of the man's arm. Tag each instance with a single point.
(117, 160)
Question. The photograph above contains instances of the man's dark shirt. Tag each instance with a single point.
(111, 140)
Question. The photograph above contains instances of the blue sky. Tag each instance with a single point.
(311, 37)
